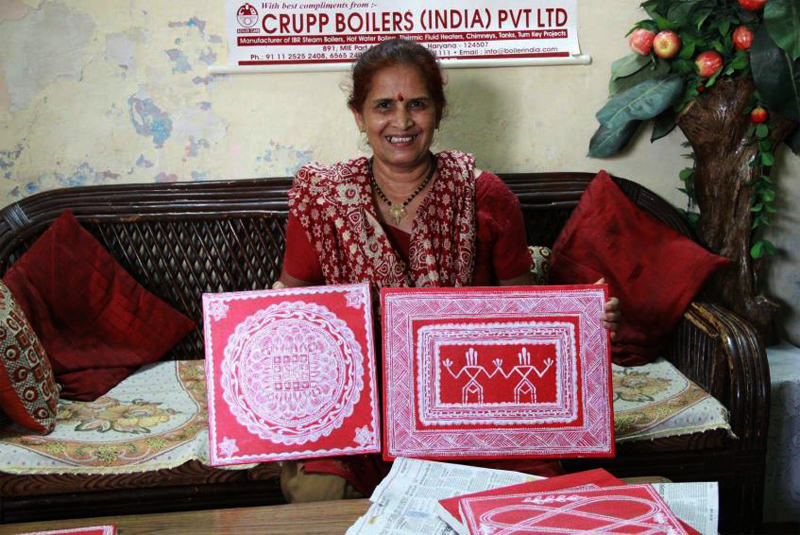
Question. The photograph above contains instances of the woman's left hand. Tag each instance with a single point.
(612, 316)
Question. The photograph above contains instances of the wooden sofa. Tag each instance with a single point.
(180, 240)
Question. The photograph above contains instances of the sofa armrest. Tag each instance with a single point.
(722, 353)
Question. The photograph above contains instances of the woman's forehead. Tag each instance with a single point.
(398, 79)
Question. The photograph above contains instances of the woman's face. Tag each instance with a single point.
(399, 117)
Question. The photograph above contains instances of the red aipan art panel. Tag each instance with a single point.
(290, 374)
(91, 530)
(473, 373)
(622, 510)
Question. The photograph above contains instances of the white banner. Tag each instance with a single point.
(329, 35)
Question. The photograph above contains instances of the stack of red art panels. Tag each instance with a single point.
(290, 373)
(474, 373)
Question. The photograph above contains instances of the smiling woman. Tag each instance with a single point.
(402, 217)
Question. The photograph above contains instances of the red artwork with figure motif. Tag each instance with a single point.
(290, 374)
(474, 373)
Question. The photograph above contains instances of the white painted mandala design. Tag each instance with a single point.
(218, 310)
(228, 447)
(292, 373)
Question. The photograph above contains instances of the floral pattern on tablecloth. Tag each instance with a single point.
(656, 400)
(155, 419)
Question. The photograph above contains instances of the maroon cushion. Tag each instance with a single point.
(97, 324)
(654, 270)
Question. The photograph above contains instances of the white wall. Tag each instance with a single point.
(108, 92)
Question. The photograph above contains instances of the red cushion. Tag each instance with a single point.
(28, 392)
(654, 270)
(97, 324)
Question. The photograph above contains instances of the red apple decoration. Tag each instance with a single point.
(742, 38)
(752, 5)
(758, 115)
(666, 44)
(708, 63)
(642, 41)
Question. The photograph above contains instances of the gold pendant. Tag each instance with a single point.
(398, 212)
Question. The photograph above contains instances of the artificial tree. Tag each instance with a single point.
(727, 73)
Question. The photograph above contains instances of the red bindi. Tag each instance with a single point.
(399, 97)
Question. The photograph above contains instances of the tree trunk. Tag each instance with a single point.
(715, 125)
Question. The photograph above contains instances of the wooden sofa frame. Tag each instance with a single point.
(180, 240)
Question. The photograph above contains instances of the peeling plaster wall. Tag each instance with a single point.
(108, 92)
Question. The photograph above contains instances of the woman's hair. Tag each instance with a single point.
(397, 52)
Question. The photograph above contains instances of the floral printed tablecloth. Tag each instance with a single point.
(154, 419)
(656, 401)
(157, 419)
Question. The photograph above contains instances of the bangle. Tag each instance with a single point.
(277, 285)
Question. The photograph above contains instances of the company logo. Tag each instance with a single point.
(247, 15)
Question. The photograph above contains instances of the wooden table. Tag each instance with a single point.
(320, 518)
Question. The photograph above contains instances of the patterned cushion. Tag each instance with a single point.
(28, 392)
(657, 401)
(540, 263)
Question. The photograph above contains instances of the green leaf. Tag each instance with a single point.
(683, 66)
(757, 207)
(628, 65)
(762, 131)
(776, 76)
(768, 195)
(691, 217)
(643, 101)
(608, 141)
(664, 124)
(658, 70)
(740, 60)
(686, 173)
(767, 159)
(701, 16)
(687, 50)
(724, 26)
(679, 13)
(757, 251)
(663, 22)
(647, 24)
(769, 248)
(782, 18)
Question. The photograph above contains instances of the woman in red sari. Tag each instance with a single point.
(404, 217)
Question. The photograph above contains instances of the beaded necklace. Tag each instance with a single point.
(398, 210)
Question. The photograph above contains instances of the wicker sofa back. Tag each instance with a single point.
(180, 240)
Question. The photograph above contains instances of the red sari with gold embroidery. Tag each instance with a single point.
(467, 231)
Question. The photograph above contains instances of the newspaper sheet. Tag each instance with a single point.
(405, 503)
(697, 504)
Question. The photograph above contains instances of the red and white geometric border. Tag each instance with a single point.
(404, 370)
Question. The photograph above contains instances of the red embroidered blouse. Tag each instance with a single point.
(501, 247)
